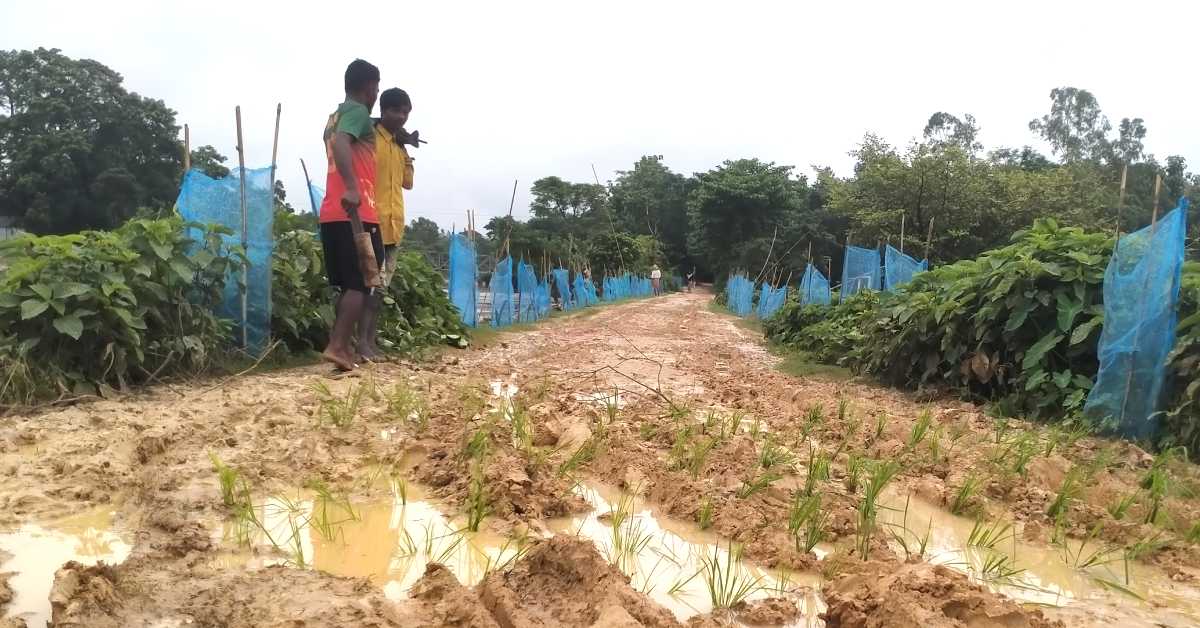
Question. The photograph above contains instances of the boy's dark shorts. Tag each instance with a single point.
(341, 257)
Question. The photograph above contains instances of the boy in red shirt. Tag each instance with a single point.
(349, 199)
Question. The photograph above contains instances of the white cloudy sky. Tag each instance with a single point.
(521, 90)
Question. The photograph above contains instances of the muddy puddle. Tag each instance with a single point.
(38, 550)
(1110, 588)
(666, 559)
(388, 540)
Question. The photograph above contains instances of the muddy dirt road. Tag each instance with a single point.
(642, 464)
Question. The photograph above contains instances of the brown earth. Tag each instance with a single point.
(672, 362)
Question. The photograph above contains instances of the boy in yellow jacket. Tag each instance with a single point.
(393, 175)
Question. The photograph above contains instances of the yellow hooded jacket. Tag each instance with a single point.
(393, 175)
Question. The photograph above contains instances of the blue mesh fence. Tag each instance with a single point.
(543, 298)
(562, 282)
(1141, 295)
(770, 299)
(315, 195)
(464, 280)
(860, 271)
(898, 268)
(585, 291)
(502, 293)
(218, 201)
(740, 293)
(814, 287)
(527, 287)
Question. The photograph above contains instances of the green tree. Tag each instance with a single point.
(423, 234)
(947, 129)
(1075, 127)
(1128, 148)
(78, 151)
(555, 198)
(734, 211)
(652, 200)
(210, 162)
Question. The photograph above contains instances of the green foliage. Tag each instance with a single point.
(827, 333)
(85, 313)
(78, 151)
(301, 301)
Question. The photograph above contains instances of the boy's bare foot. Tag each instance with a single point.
(338, 360)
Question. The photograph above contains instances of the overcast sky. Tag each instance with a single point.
(521, 90)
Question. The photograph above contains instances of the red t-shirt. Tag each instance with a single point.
(353, 119)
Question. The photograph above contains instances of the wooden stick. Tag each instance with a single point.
(1121, 199)
(929, 237)
(275, 149)
(902, 231)
(308, 190)
(187, 149)
(242, 182)
(769, 250)
(1157, 189)
(809, 258)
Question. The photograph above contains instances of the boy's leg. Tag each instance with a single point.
(368, 326)
(347, 315)
(341, 266)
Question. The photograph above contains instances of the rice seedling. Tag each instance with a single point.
(773, 454)
(818, 469)
(758, 482)
(843, 409)
(477, 505)
(326, 522)
(698, 455)
(1064, 435)
(1090, 553)
(1146, 546)
(1023, 450)
(900, 534)
(727, 581)
(965, 493)
(622, 509)
(522, 425)
(583, 454)
(681, 582)
(513, 550)
(711, 421)
(733, 425)
(755, 427)
(629, 540)
(401, 400)
(1156, 481)
(999, 568)
(472, 401)
(881, 421)
(854, 469)
(338, 411)
(1068, 491)
(704, 516)
(1120, 508)
(477, 444)
(235, 493)
(919, 430)
(814, 417)
(807, 523)
(648, 431)
(612, 407)
(405, 546)
(678, 456)
(989, 536)
(1193, 533)
(880, 474)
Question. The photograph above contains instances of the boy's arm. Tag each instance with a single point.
(344, 162)
(408, 169)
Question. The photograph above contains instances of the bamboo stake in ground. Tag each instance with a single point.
(242, 184)
(902, 232)
(187, 149)
(308, 189)
(929, 238)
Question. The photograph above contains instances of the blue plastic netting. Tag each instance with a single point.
(860, 271)
(316, 194)
(527, 286)
(898, 268)
(502, 294)
(740, 292)
(218, 201)
(585, 291)
(543, 298)
(814, 287)
(562, 282)
(1141, 295)
(770, 299)
(464, 281)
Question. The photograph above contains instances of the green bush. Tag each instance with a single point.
(1181, 425)
(828, 333)
(95, 310)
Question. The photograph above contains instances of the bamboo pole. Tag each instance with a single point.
(1157, 189)
(929, 237)
(274, 156)
(902, 231)
(242, 183)
(187, 149)
(1121, 201)
(308, 190)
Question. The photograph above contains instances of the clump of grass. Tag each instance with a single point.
(854, 469)
(1067, 492)
(1120, 508)
(774, 455)
(235, 492)
(999, 568)
(965, 494)
(1023, 449)
(919, 429)
(757, 482)
(477, 505)
(1146, 545)
(881, 421)
(1156, 480)
(583, 454)
(704, 516)
(478, 442)
(807, 523)
(818, 469)
(733, 425)
(728, 583)
(324, 518)
(814, 418)
(339, 411)
(880, 474)
(648, 431)
(989, 536)
(522, 425)
(405, 403)
(1064, 435)
(755, 427)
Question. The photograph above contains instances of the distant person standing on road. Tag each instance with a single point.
(656, 280)
(350, 203)
(691, 279)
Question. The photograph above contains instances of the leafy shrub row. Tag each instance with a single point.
(100, 310)
(1019, 325)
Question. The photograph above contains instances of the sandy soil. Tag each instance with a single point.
(672, 364)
